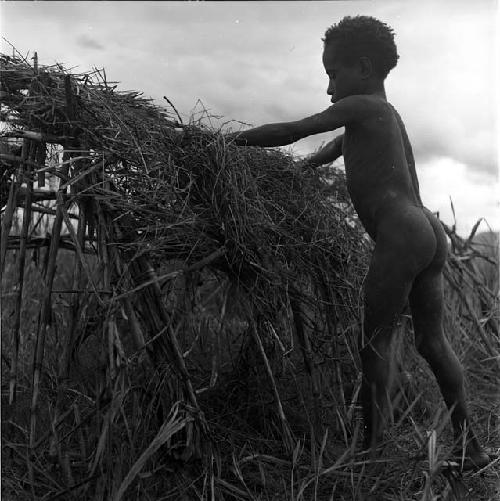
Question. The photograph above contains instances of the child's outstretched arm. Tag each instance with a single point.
(347, 110)
(330, 152)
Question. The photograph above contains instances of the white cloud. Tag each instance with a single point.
(443, 180)
(445, 82)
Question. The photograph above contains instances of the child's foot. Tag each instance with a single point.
(474, 458)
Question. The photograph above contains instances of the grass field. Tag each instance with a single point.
(244, 456)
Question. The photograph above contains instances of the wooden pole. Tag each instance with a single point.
(75, 301)
(29, 150)
(287, 434)
(307, 354)
(48, 284)
(8, 215)
(31, 153)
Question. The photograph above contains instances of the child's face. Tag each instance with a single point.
(343, 80)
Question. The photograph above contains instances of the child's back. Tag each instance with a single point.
(379, 166)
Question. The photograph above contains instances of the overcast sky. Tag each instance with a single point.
(260, 62)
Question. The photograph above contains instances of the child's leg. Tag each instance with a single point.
(406, 245)
(386, 290)
(426, 301)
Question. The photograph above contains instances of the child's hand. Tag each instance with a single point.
(305, 165)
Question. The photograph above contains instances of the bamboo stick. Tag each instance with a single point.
(331, 322)
(37, 195)
(29, 150)
(307, 354)
(39, 136)
(38, 242)
(287, 435)
(48, 283)
(41, 157)
(159, 313)
(74, 305)
(80, 176)
(160, 321)
(173, 274)
(79, 241)
(135, 327)
(7, 157)
(111, 333)
(64, 361)
(119, 271)
(108, 324)
(44, 318)
(102, 246)
(8, 215)
(81, 438)
(77, 244)
(155, 343)
(172, 337)
(37, 209)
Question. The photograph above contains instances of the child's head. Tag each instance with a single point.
(364, 46)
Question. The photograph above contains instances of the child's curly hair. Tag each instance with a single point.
(364, 36)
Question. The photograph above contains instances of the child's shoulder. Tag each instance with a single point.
(364, 103)
(362, 107)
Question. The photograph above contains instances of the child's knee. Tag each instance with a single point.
(429, 347)
(440, 356)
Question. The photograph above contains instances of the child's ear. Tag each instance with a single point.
(366, 67)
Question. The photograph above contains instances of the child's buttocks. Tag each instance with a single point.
(407, 232)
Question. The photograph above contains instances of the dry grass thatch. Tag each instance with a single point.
(203, 329)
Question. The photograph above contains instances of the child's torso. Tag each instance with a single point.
(378, 175)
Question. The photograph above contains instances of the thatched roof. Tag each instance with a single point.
(149, 195)
(184, 195)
